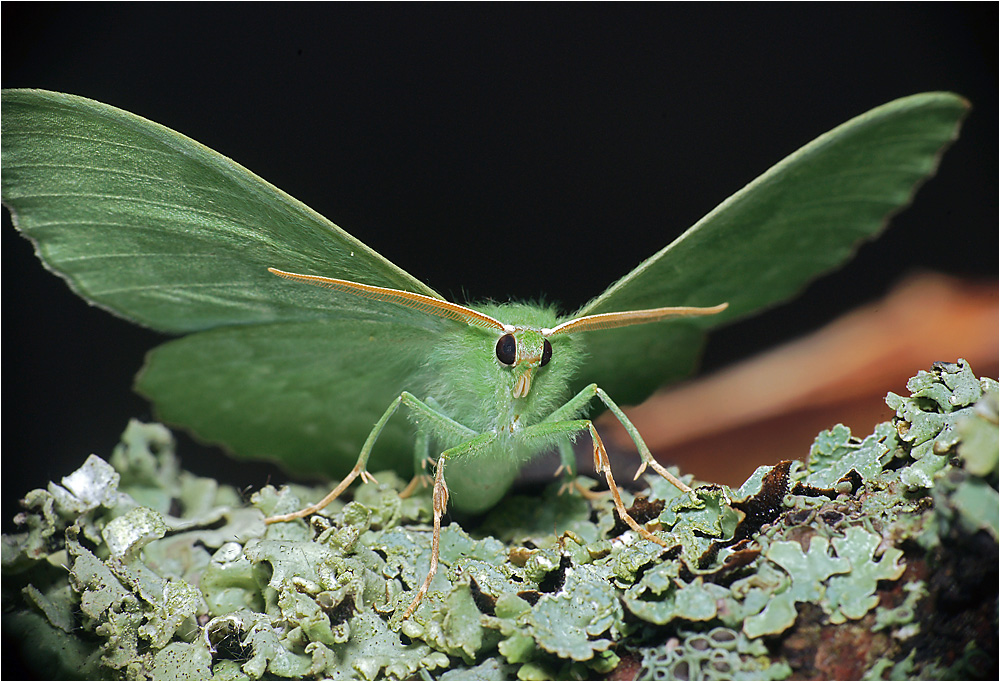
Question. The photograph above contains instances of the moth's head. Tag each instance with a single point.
(523, 351)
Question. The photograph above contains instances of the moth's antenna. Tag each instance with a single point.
(408, 299)
(628, 318)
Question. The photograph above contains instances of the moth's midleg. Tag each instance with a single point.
(426, 417)
(572, 407)
(542, 433)
(545, 430)
(360, 469)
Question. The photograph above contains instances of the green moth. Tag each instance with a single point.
(163, 231)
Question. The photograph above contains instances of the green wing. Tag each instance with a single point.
(804, 216)
(305, 394)
(165, 232)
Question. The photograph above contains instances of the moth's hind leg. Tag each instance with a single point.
(421, 479)
(644, 453)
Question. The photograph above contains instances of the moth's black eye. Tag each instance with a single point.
(507, 349)
(546, 353)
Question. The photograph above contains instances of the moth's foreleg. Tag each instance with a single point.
(440, 499)
(440, 505)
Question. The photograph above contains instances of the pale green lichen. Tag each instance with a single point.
(928, 420)
(717, 654)
(851, 597)
(137, 569)
(978, 433)
(834, 453)
(901, 617)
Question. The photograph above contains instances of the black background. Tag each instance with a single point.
(491, 150)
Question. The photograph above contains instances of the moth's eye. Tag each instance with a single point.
(546, 353)
(507, 349)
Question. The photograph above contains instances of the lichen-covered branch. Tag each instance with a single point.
(876, 558)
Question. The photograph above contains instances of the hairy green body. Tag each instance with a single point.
(463, 378)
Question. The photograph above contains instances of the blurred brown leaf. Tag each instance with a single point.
(770, 407)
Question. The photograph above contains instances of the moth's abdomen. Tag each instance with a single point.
(477, 483)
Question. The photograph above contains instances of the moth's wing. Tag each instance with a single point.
(162, 230)
(804, 216)
(305, 394)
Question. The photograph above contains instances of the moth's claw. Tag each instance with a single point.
(418, 481)
(646, 535)
(676, 482)
(587, 493)
(601, 461)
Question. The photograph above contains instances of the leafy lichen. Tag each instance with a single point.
(134, 568)
(717, 654)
